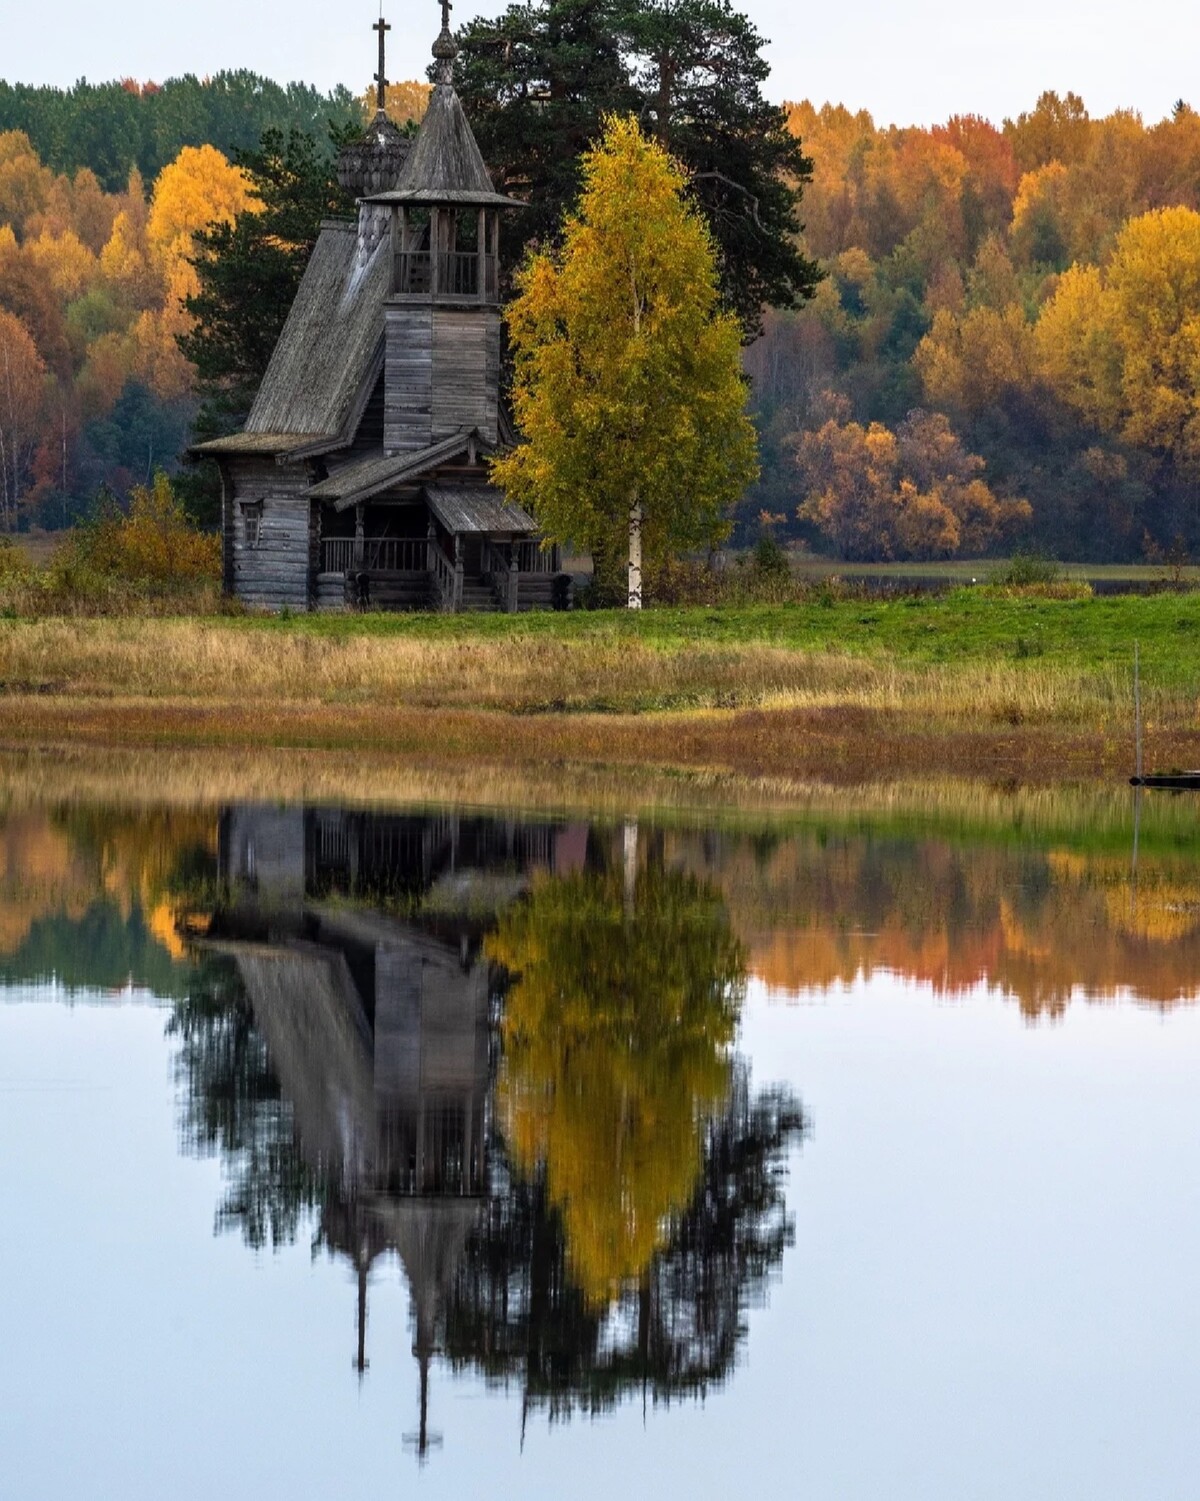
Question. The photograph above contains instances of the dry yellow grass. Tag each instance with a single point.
(212, 662)
(527, 698)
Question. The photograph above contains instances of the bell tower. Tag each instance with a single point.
(442, 365)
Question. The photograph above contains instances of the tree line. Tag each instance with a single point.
(959, 338)
(1022, 298)
(111, 128)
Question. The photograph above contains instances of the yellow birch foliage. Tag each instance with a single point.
(200, 187)
(22, 396)
(1122, 344)
(628, 384)
(913, 493)
(968, 360)
(617, 1031)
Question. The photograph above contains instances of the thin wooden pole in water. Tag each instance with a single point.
(1137, 715)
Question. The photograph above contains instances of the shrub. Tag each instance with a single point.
(1023, 569)
(156, 547)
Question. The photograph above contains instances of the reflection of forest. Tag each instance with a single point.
(606, 1224)
(813, 908)
(500, 1053)
(1042, 924)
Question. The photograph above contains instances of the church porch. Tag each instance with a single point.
(409, 553)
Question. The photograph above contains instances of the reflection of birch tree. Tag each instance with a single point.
(616, 1034)
(516, 1314)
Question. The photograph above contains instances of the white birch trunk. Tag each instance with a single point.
(635, 556)
(630, 867)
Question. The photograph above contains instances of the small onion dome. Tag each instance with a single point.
(373, 163)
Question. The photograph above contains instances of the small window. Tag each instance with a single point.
(252, 524)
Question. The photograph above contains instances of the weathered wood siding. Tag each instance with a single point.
(442, 373)
(466, 370)
(368, 438)
(408, 373)
(276, 572)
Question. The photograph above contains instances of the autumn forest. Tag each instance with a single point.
(1002, 349)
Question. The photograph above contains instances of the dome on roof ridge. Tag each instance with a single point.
(374, 162)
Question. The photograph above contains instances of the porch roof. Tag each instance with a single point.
(477, 508)
(363, 478)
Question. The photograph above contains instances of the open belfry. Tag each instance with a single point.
(360, 478)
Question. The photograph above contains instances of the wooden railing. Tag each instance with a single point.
(380, 554)
(447, 577)
(458, 273)
(506, 563)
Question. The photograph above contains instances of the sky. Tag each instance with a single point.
(908, 64)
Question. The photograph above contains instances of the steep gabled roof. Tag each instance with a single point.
(328, 353)
(329, 340)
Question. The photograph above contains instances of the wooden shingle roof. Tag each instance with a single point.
(446, 165)
(362, 478)
(328, 355)
(464, 507)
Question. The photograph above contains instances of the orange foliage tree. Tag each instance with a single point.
(912, 493)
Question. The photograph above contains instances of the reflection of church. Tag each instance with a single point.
(378, 1026)
(365, 1005)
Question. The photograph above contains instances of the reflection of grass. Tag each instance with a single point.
(1093, 817)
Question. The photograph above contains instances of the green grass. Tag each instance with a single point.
(958, 627)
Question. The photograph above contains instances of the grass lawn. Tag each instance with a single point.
(970, 680)
(960, 626)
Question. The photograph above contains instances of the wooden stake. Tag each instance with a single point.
(1137, 714)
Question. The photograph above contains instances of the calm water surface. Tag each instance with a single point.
(345, 1152)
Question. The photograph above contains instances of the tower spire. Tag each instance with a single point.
(381, 83)
(445, 49)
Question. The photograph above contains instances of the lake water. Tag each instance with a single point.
(845, 1155)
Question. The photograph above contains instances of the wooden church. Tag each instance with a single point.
(360, 479)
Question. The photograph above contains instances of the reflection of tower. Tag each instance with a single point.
(378, 1032)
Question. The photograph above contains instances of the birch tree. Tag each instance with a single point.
(628, 387)
(22, 392)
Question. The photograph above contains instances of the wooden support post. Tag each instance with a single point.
(435, 250)
(430, 544)
(481, 256)
(514, 578)
(456, 601)
(359, 540)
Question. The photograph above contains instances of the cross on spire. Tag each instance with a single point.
(445, 49)
(381, 83)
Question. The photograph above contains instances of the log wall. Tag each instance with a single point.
(408, 374)
(442, 373)
(466, 370)
(278, 571)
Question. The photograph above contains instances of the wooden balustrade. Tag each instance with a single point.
(378, 554)
(458, 274)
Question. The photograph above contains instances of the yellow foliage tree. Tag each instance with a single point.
(628, 386)
(968, 360)
(200, 187)
(404, 102)
(1122, 345)
(69, 265)
(22, 397)
(617, 1031)
(25, 185)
